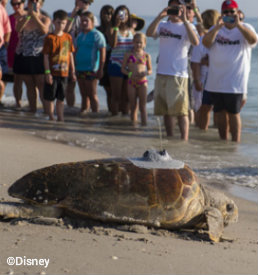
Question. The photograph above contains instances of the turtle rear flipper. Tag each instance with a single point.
(215, 223)
(14, 210)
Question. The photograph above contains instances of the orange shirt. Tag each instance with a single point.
(58, 48)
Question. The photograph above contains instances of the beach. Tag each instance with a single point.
(104, 249)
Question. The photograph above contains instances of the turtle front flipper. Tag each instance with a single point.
(14, 210)
(215, 223)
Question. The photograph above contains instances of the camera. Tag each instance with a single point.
(228, 19)
(173, 11)
(121, 14)
(79, 12)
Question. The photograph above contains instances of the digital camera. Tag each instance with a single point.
(228, 19)
(121, 14)
(173, 11)
(79, 12)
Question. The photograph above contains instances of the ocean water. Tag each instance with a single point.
(231, 166)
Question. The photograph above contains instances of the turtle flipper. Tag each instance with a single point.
(14, 210)
(215, 223)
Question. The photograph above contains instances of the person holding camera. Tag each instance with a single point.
(121, 42)
(230, 42)
(28, 61)
(176, 35)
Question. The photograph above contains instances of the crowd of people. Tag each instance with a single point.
(203, 62)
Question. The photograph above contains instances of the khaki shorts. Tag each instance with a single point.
(171, 96)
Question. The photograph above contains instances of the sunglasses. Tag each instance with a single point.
(229, 11)
(16, 4)
(189, 7)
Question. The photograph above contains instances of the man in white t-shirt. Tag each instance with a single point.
(230, 42)
(176, 35)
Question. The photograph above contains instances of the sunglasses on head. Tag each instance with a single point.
(229, 11)
(16, 4)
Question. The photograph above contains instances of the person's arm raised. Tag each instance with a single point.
(210, 36)
(193, 37)
(152, 29)
(249, 35)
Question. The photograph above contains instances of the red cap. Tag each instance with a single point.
(229, 4)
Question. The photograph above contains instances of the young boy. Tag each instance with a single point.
(58, 56)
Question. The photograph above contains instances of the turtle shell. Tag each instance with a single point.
(116, 190)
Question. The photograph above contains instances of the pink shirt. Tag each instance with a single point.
(5, 26)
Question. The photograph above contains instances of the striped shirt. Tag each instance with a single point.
(124, 44)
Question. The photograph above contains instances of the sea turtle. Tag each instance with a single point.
(154, 190)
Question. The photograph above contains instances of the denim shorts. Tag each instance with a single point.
(115, 70)
(3, 60)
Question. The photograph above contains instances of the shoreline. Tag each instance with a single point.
(107, 250)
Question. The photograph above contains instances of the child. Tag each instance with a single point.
(137, 23)
(137, 65)
(58, 56)
(90, 60)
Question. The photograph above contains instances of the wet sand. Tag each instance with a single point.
(101, 249)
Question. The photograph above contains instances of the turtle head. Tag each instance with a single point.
(229, 211)
(224, 204)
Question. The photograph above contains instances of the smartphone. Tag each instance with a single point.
(34, 6)
(228, 19)
(173, 11)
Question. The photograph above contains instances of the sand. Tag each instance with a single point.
(100, 249)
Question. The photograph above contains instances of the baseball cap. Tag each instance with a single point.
(229, 4)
